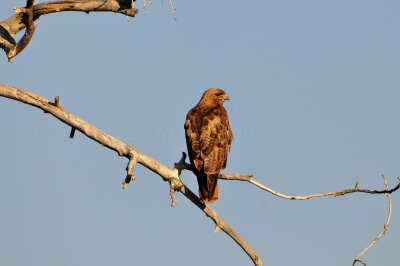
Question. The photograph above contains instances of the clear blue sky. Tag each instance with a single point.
(314, 88)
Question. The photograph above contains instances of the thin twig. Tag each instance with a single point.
(249, 178)
(129, 169)
(172, 9)
(72, 134)
(383, 230)
(144, 5)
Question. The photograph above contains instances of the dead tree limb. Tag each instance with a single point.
(134, 156)
(27, 19)
(249, 178)
(383, 232)
(172, 175)
(26, 16)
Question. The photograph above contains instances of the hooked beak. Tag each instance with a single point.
(225, 97)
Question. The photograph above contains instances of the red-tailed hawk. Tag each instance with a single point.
(208, 139)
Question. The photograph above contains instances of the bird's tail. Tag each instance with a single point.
(208, 187)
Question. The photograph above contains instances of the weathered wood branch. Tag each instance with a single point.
(387, 191)
(25, 17)
(249, 178)
(182, 165)
(171, 175)
(134, 156)
(357, 259)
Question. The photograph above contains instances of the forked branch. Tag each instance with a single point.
(171, 175)
(25, 17)
(134, 156)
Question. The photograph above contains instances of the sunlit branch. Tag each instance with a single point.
(134, 156)
(25, 17)
(357, 259)
(249, 178)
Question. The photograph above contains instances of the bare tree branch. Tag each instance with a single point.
(30, 30)
(182, 165)
(249, 178)
(172, 175)
(123, 149)
(172, 10)
(357, 259)
(25, 17)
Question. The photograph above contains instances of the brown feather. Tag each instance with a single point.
(208, 139)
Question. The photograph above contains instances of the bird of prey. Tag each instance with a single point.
(208, 140)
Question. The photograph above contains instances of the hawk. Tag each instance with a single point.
(208, 140)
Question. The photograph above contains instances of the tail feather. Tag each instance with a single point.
(208, 187)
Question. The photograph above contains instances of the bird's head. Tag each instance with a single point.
(215, 95)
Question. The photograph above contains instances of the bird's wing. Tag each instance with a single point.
(215, 140)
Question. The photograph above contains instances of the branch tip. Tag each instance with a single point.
(72, 134)
(173, 198)
(383, 232)
(17, 9)
(175, 184)
(57, 102)
(216, 229)
(133, 159)
(172, 10)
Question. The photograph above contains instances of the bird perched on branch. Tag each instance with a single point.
(208, 140)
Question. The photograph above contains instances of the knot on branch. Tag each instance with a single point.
(57, 102)
(133, 159)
